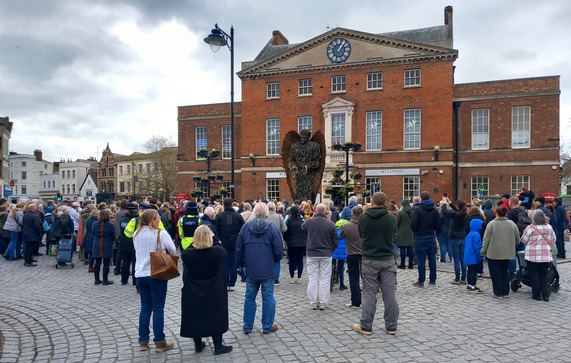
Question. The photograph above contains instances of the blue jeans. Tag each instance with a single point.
(513, 263)
(278, 269)
(268, 303)
(153, 294)
(229, 266)
(426, 246)
(458, 255)
(445, 246)
(14, 249)
(340, 270)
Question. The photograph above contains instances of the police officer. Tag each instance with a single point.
(187, 224)
(126, 248)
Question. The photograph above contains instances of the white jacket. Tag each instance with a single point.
(145, 242)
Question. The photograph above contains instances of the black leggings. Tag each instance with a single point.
(97, 267)
(217, 339)
(295, 255)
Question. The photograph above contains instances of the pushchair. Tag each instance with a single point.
(522, 275)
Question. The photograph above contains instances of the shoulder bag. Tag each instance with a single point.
(550, 246)
(163, 265)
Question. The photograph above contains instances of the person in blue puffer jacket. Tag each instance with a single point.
(472, 254)
(339, 256)
(88, 240)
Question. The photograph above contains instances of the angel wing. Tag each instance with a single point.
(319, 138)
(290, 138)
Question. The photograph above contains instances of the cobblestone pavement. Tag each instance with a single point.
(49, 315)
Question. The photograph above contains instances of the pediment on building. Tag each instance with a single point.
(366, 49)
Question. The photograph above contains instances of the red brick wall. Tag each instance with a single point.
(434, 98)
(213, 117)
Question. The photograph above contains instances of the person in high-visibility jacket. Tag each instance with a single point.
(132, 226)
(187, 224)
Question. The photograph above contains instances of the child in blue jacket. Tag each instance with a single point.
(472, 254)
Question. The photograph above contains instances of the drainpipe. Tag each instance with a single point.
(456, 106)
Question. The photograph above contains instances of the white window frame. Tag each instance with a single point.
(338, 128)
(226, 141)
(338, 84)
(272, 137)
(375, 81)
(412, 136)
(521, 127)
(272, 90)
(407, 182)
(273, 189)
(368, 182)
(24, 175)
(412, 77)
(120, 169)
(475, 182)
(374, 133)
(305, 87)
(24, 189)
(518, 181)
(481, 129)
(201, 136)
(304, 122)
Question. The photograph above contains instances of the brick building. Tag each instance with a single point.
(395, 94)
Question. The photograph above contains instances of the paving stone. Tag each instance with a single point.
(444, 323)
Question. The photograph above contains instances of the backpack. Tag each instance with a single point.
(523, 221)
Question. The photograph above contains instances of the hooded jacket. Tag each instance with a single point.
(425, 219)
(334, 213)
(405, 237)
(488, 209)
(473, 247)
(376, 228)
(258, 248)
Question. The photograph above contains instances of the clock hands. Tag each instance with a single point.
(341, 46)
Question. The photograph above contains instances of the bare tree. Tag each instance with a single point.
(161, 179)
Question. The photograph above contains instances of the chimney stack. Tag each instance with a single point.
(448, 15)
(38, 154)
(278, 38)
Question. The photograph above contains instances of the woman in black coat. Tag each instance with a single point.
(204, 294)
(103, 237)
(458, 217)
(296, 239)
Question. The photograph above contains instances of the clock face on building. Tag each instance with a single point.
(339, 50)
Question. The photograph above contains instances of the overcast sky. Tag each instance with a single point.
(76, 75)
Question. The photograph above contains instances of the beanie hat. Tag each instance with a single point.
(405, 202)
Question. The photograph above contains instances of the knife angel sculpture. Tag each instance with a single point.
(304, 161)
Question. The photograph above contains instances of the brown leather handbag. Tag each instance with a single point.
(163, 265)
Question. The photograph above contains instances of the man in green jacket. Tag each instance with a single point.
(376, 228)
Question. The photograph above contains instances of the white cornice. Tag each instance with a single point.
(260, 69)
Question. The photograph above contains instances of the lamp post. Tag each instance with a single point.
(217, 39)
(346, 147)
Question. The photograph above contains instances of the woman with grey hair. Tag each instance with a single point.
(63, 227)
(247, 214)
(538, 238)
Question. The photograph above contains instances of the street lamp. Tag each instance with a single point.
(346, 147)
(217, 39)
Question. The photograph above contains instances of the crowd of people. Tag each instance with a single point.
(221, 241)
